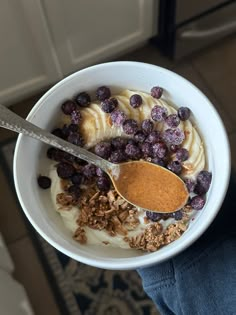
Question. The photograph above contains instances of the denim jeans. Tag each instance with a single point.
(202, 279)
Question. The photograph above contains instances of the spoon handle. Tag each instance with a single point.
(12, 121)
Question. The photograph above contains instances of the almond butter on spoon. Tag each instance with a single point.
(143, 184)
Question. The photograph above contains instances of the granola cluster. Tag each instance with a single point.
(108, 211)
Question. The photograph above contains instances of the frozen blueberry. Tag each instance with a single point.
(75, 116)
(203, 182)
(130, 126)
(68, 107)
(160, 150)
(175, 167)
(146, 149)
(159, 113)
(156, 92)
(103, 149)
(58, 133)
(133, 151)
(44, 182)
(140, 136)
(153, 137)
(118, 156)
(118, 143)
(172, 120)
(83, 99)
(158, 161)
(74, 190)
(77, 178)
(103, 183)
(177, 215)
(100, 172)
(190, 184)
(182, 154)
(197, 202)
(118, 117)
(102, 93)
(59, 156)
(173, 136)
(174, 148)
(184, 113)
(153, 216)
(89, 170)
(135, 100)
(65, 170)
(132, 141)
(147, 126)
(108, 105)
(76, 139)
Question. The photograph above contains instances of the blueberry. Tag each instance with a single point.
(156, 92)
(203, 182)
(173, 136)
(118, 156)
(44, 182)
(146, 149)
(130, 126)
(65, 170)
(103, 149)
(108, 105)
(102, 93)
(190, 184)
(184, 113)
(197, 202)
(68, 107)
(100, 172)
(158, 161)
(135, 100)
(172, 120)
(175, 167)
(65, 131)
(118, 117)
(153, 216)
(118, 143)
(77, 178)
(153, 137)
(73, 127)
(89, 170)
(74, 190)
(178, 215)
(182, 154)
(174, 148)
(83, 99)
(76, 139)
(75, 116)
(147, 126)
(103, 183)
(59, 156)
(132, 141)
(159, 113)
(140, 136)
(133, 152)
(159, 150)
(58, 133)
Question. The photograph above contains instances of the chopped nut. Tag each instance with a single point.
(80, 235)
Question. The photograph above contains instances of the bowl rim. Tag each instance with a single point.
(151, 258)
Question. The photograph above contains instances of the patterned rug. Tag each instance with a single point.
(80, 288)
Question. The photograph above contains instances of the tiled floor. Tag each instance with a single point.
(212, 70)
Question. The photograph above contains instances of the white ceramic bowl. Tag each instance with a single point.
(30, 159)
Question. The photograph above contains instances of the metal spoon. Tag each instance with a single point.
(159, 191)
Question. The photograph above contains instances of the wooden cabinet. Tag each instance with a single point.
(85, 32)
(42, 41)
(28, 60)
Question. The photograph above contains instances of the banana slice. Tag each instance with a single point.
(96, 126)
